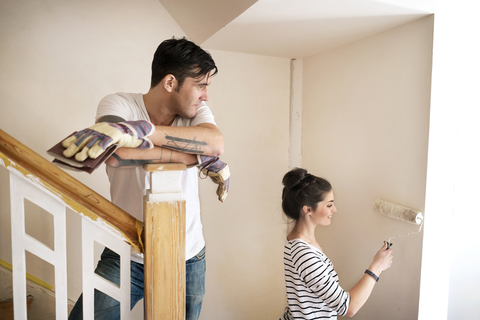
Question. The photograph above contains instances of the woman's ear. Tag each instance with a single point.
(306, 210)
(169, 82)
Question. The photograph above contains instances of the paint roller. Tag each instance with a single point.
(398, 212)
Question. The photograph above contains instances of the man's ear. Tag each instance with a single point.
(169, 82)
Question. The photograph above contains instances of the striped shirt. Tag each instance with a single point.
(313, 289)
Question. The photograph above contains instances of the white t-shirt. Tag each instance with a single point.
(129, 185)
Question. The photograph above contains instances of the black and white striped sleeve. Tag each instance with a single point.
(317, 273)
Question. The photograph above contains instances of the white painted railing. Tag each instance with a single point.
(92, 233)
(35, 179)
(22, 188)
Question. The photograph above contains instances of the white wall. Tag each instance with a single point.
(365, 129)
(58, 59)
(453, 173)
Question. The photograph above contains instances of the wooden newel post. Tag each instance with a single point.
(164, 219)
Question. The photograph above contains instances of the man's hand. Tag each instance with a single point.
(218, 171)
(93, 141)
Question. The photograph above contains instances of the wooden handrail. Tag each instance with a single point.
(75, 194)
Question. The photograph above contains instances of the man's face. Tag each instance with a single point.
(187, 99)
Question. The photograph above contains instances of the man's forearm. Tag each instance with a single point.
(205, 139)
(127, 157)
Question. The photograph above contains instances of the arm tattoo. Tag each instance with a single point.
(161, 155)
(184, 145)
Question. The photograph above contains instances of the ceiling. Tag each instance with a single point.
(289, 28)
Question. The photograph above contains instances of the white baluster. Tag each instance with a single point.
(92, 233)
(21, 189)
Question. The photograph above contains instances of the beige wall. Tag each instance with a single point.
(58, 59)
(244, 236)
(365, 128)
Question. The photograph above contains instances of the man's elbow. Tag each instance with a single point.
(218, 151)
(218, 147)
(215, 141)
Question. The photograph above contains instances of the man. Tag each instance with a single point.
(170, 123)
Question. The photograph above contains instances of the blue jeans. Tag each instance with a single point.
(107, 308)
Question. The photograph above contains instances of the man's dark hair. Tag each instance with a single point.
(183, 59)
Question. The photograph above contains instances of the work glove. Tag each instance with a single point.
(218, 171)
(93, 141)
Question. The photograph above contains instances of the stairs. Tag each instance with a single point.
(40, 300)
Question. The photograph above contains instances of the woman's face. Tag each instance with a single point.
(322, 216)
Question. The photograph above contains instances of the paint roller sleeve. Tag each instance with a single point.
(398, 212)
(401, 213)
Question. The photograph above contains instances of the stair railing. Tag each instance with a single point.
(39, 181)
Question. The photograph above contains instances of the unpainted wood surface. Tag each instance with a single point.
(165, 260)
(165, 167)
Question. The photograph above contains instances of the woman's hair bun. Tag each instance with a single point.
(302, 189)
(294, 177)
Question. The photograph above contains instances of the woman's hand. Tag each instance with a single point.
(382, 261)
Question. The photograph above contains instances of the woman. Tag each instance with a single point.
(313, 290)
